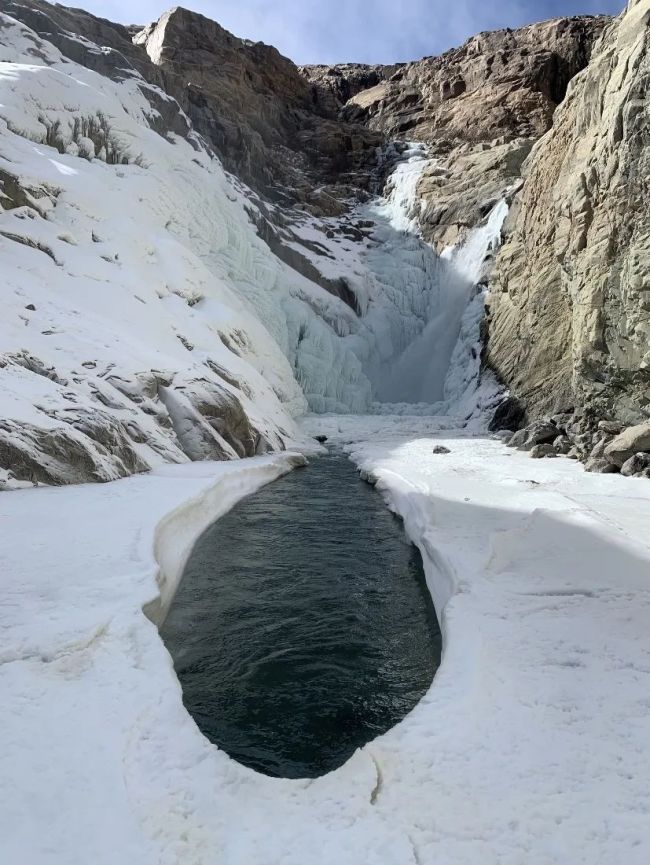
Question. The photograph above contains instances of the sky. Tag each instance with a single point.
(363, 31)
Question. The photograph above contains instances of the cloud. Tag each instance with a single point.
(372, 31)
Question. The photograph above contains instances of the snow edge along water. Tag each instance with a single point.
(176, 534)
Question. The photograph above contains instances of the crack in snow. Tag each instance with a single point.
(376, 790)
(50, 657)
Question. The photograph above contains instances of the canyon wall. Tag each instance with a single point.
(570, 298)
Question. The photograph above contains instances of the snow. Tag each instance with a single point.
(150, 316)
(401, 205)
(529, 747)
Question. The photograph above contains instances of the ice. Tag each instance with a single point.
(436, 357)
(401, 204)
(180, 284)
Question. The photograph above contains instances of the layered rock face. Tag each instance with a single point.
(570, 306)
(255, 108)
(480, 108)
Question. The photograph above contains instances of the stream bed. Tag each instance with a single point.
(303, 627)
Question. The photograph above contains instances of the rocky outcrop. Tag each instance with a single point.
(604, 446)
(254, 106)
(480, 107)
(570, 301)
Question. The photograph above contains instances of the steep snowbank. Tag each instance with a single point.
(144, 319)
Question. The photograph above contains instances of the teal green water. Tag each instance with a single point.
(303, 627)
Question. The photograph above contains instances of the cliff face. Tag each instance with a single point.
(479, 107)
(310, 135)
(256, 109)
(570, 320)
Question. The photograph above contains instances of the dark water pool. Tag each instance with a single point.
(303, 628)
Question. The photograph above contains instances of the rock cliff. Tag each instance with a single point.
(480, 108)
(570, 306)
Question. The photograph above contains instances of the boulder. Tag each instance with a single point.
(538, 433)
(441, 449)
(636, 465)
(600, 466)
(562, 445)
(633, 440)
(519, 439)
(539, 452)
(510, 415)
(610, 427)
(598, 451)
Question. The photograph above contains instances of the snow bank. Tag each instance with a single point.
(100, 758)
(529, 747)
(177, 533)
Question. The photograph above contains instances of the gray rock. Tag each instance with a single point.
(569, 298)
(636, 465)
(562, 445)
(610, 427)
(583, 441)
(562, 420)
(543, 432)
(539, 452)
(539, 433)
(519, 439)
(598, 452)
(441, 449)
(510, 415)
(600, 466)
(633, 440)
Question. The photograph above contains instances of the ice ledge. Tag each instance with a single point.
(176, 534)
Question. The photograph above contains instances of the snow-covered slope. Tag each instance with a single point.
(144, 319)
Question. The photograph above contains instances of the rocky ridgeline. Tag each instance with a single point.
(480, 108)
(605, 446)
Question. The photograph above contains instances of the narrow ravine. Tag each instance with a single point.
(303, 628)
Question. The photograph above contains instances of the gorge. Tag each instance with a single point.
(288, 284)
(223, 271)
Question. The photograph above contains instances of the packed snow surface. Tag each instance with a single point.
(531, 745)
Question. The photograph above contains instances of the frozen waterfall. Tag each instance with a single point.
(425, 309)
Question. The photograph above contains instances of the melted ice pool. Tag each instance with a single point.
(303, 627)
